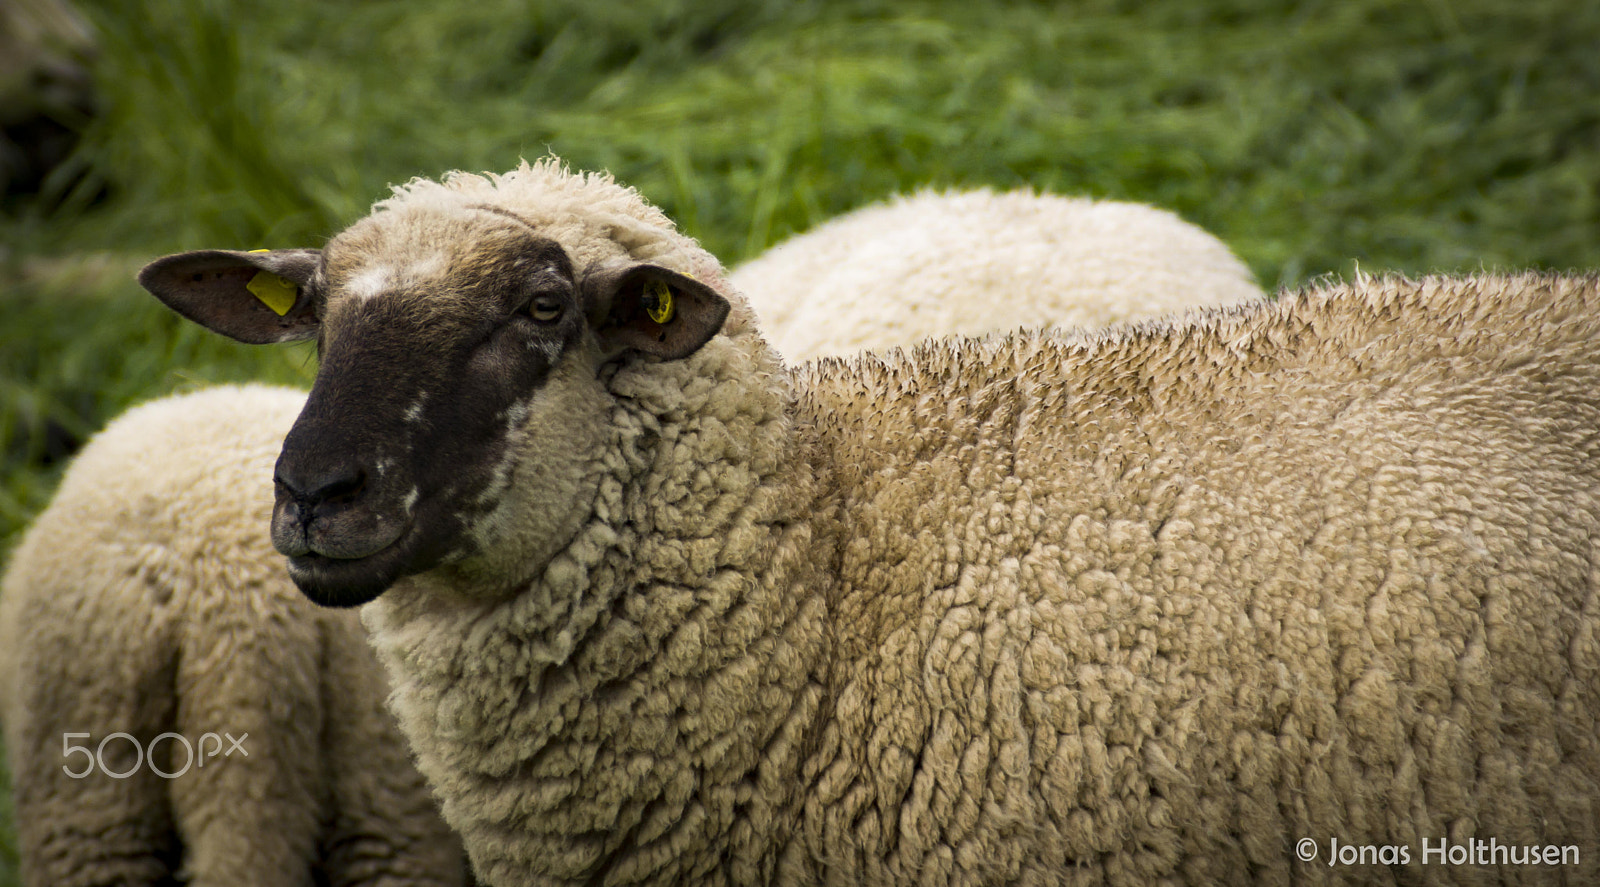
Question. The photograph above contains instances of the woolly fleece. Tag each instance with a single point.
(147, 599)
(973, 262)
(1137, 607)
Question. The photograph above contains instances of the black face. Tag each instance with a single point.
(429, 371)
(408, 420)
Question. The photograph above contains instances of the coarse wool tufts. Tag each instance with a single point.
(147, 601)
(972, 262)
(1147, 605)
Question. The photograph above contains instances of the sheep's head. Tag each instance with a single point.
(441, 336)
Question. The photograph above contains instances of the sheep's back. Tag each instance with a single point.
(968, 263)
(1170, 599)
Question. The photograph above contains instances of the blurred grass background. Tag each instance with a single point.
(1310, 136)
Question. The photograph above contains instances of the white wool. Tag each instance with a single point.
(147, 599)
(973, 262)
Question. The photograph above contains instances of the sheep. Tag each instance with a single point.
(1146, 605)
(972, 262)
(1068, 243)
(147, 601)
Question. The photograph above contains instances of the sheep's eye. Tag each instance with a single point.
(545, 309)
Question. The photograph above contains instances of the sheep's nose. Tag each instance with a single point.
(333, 510)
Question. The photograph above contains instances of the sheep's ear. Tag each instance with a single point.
(258, 297)
(651, 310)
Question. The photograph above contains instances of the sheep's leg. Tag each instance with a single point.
(386, 828)
(89, 809)
(250, 806)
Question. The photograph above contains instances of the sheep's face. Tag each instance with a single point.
(440, 336)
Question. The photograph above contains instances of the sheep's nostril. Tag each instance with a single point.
(342, 489)
(335, 486)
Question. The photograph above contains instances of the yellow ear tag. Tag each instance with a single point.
(658, 301)
(273, 291)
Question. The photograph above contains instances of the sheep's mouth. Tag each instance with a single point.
(344, 553)
(332, 581)
(351, 582)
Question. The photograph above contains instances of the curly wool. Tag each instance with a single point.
(973, 262)
(147, 599)
(1133, 607)
(594, 218)
(1155, 604)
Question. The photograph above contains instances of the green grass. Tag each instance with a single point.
(1310, 136)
